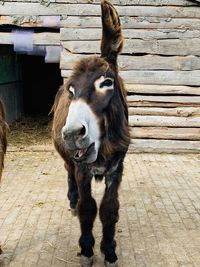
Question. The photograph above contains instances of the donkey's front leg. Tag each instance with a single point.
(109, 215)
(87, 210)
(72, 188)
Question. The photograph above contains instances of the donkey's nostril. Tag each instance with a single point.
(82, 131)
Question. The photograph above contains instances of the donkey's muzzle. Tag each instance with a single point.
(75, 137)
(77, 141)
(74, 134)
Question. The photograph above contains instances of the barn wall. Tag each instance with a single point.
(10, 83)
(161, 67)
(160, 62)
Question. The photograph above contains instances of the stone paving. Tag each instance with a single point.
(159, 215)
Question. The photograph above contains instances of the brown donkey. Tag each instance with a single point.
(3, 140)
(90, 132)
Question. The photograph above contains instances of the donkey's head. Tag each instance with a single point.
(95, 90)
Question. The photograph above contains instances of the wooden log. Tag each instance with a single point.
(168, 47)
(143, 103)
(67, 34)
(162, 89)
(190, 78)
(147, 62)
(30, 21)
(163, 121)
(94, 10)
(42, 38)
(167, 99)
(163, 146)
(95, 22)
(132, 2)
(139, 22)
(122, 3)
(177, 112)
(154, 62)
(165, 133)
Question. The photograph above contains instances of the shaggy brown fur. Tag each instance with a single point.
(112, 112)
(3, 140)
(3, 136)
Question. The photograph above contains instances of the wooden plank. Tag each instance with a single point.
(31, 21)
(165, 133)
(163, 121)
(42, 38)
(94, 10)
(28, 21)
(153, 111)
(73, 34)
(162, 89)
(95, 22)
(163, 146)
(138, 22)
(161, 104)
(123, 3)
(132, 2)
(190, 78)
(143, 103)
(147, 62)
(175, 47)
(165, 99)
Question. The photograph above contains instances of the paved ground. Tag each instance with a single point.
(159, 215)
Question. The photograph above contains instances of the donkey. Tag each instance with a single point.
(90, 132)
(3, 136)
(3, 140)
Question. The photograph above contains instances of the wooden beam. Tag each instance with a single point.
(165, 133)
(133, 2)
(144, 103)
(190, 78)
(163, 146)
(153, 111)
(165, 99)
(147, 62)
(94, 10)
(74, 34)
(95, 22)
(42, 38)
(162, 89)
(138, 22)
(170, 47)
(163, 121)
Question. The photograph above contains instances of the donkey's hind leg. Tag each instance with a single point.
(109, 215)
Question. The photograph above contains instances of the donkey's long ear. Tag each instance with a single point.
(112, 39)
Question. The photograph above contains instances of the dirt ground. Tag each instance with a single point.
(159, 222)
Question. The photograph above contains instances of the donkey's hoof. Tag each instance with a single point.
(113, 264)
(74, 212)
(86, 261)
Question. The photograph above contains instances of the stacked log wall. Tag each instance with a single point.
(160, 62)
(160, 66)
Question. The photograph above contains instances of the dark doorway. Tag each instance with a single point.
(40, 83)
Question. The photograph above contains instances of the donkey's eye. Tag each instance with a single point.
(103, 84)
(72, 90)
(106, 83)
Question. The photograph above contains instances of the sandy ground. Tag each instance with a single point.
(159, 214)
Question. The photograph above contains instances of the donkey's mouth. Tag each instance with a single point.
(83, 153)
